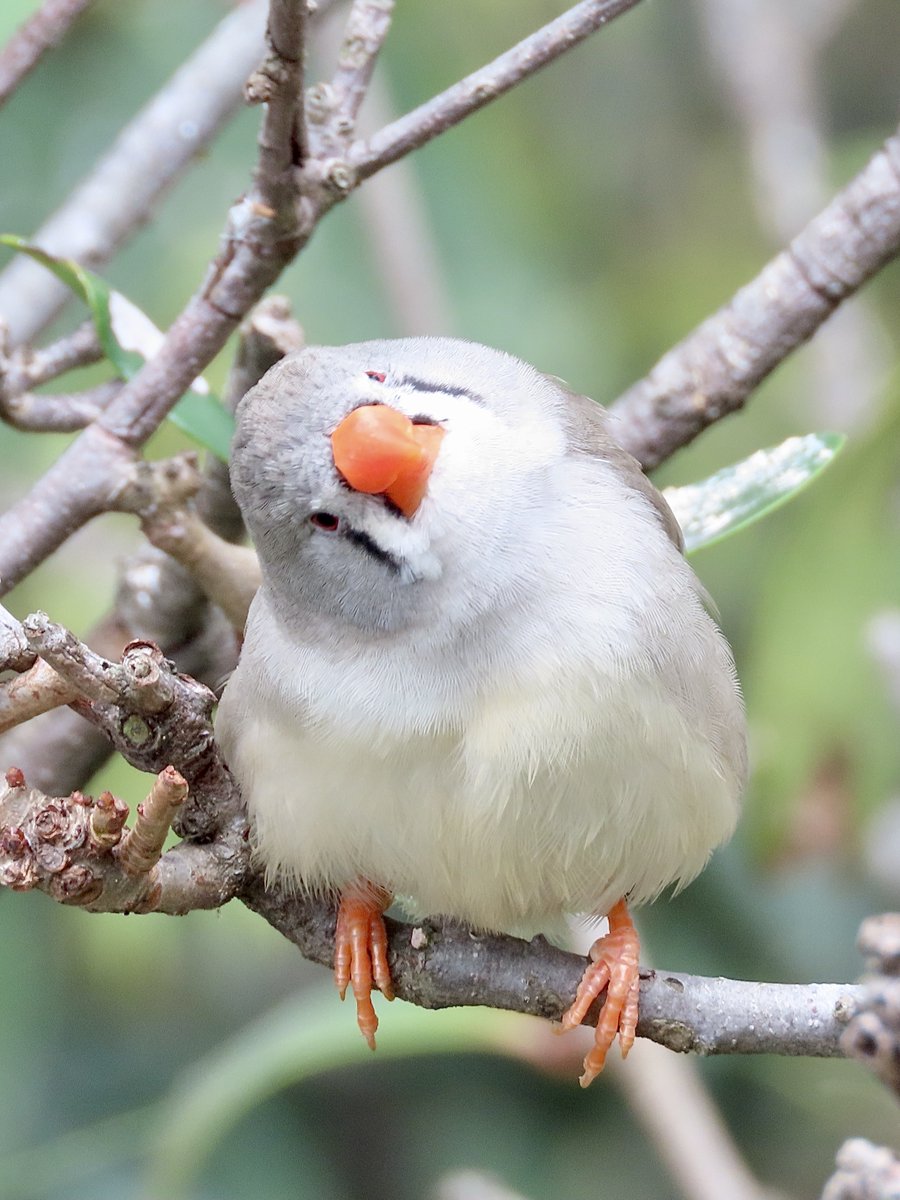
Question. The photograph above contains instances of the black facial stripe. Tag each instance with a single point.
(391, 507)
(444, 389)
(371, 547)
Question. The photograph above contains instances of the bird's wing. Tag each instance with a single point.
(587, 432)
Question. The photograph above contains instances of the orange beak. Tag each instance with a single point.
(380, 451)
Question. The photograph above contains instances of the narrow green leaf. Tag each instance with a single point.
(204, 418)
(93, 290)
(201, 416)
(738, 495)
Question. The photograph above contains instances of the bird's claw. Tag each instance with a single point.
(360, 952)
(614, 967)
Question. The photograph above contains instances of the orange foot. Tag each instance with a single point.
(360, 951)
(614, 966)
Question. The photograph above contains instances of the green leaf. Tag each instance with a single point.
(93, 291)
(201, 416)
(204, 418)
(738, 495)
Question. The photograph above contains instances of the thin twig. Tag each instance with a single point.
(229, 575)
(162, 494)
(35, 691)
(59, 412)
(367, 27)
(480, 88)
(15, 653)
(712, 372)
(73, 847)
(141, 847)
(147, 158)
(41, 32)
(399, 229)
(278, 83)
(27, 367)
(259, 242)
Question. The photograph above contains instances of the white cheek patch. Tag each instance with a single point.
(409, 545)
(423, 567)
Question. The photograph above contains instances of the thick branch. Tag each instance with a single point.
(478, 89)
(445, 965)
(154, 716)
(713, 371)
(73, 849)
(41, 32)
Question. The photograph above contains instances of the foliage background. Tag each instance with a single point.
(585, 222)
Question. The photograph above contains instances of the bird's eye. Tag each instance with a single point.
(325, 521)
(423, 419)
(378, 376)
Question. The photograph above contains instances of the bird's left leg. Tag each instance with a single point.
(614, 966)
(360, 951)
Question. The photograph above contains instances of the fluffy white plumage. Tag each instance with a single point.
(509, 707)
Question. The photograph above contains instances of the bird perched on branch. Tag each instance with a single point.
(478, 675)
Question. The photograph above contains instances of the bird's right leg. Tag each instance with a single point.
(360, 951)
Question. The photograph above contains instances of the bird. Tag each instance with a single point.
(479, 676)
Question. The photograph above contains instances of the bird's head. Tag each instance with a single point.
(382, 479)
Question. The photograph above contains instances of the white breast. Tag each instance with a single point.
(503, 797)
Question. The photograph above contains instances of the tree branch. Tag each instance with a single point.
(60, 412)
(27, 367)
(35, 691)
(278, 83)
(41, 32)
(712, 372)
(157, 599)
(162, 494)
(147, 158)
(367, 27)
(480, 88)
(873, 1036)
(68, 848)
(443, 965)
(261, 239)
(76, 850)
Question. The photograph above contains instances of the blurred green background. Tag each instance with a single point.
(586, 222)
